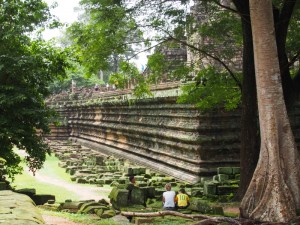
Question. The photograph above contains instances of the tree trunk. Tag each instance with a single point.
(274, 192)
(249, 125)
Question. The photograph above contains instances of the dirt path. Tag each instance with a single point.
(55, 220)
(83, 192)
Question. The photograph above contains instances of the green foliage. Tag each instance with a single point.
(211, 89)
(26, 69)
(128, 72)
(293, 36)
(78, 75)
(103, 38)
(157, 64)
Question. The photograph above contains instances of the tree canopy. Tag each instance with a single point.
(27, 66)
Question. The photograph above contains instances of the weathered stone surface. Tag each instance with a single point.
(18, 209)
(108, 214)
(156, 133)
(226, 190)
(225, 170)
(42, 199)
(210, 188)
(27, 191)
(118, 197)
(203, 206)
(137, 196)
(197, 192)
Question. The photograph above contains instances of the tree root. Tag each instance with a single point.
(207, 220)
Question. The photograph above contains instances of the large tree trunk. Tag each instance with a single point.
(274, 191)
(249, 126)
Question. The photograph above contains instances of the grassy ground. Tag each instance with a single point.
(81, 218)
(52, 170)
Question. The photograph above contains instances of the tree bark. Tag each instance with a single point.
(249, 125)
(274, 192)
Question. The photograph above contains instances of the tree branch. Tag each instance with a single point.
(285, 16)
(226, 7)
(147, 49)
(211, 56)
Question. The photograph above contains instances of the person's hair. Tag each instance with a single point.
(182, 190)
(131, 178)
(168, 186)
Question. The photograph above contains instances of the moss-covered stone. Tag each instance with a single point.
(118, 197)
(197, 192)
(137, 196)
(204, 207)
(99, 212)
(27, 191)
(225, 190)
(225, 170)
(86, 205)
(91, 209)
(222, 177)
(108, 214)
(42, 199)
(2, 186)
(209, 188)
(236, 170)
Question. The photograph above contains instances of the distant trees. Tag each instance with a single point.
(27, 66)
(104, 36)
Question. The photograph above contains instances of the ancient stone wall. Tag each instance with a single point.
(158, 133)
(171, 138)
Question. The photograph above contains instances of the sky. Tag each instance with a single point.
(67, 13)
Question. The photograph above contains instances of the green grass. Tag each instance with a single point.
(81, 218)
(52, 170)
(27, 181)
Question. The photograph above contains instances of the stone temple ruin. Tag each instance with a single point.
(89, 166)
(157, 133)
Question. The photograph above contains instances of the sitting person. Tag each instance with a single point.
(169, 198)
(132, 180)
(130, 187)
(182, 199)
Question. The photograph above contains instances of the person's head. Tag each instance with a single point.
(182, 191)
(168, 187)
(131, 179)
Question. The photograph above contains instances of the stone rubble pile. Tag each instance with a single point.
(89, 166)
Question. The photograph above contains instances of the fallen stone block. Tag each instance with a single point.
(209, 188)
(27, 191)
(226, 190)
(42, 199)
(204, 207)
(118, 197)
(225, 170)
(108, 214)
